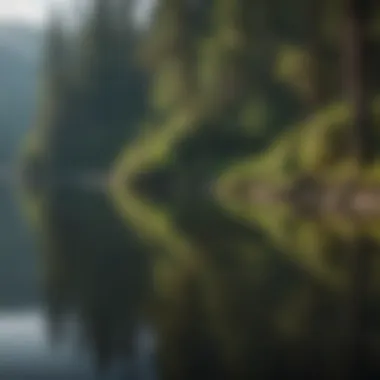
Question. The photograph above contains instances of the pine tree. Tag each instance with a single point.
(93, 100)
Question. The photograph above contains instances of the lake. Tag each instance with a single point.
(89, 294)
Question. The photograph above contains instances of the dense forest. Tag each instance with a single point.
(221, 120)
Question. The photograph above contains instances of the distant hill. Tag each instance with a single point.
(20, 58)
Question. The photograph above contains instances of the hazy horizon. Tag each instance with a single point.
(33, 12)
(36, 12)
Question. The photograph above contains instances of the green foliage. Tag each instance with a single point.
(240, 83)
(234, 89)
(93, 97)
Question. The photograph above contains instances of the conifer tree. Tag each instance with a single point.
(92, 101)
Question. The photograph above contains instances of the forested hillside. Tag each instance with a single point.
(214, 94)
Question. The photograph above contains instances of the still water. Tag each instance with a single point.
(27, 350)
(85, 295)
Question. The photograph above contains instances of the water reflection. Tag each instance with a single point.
(26, 352)
(246, 307)
(26, 345)
(266, 299)
(29, 348)
(145, 273)
(269, 296)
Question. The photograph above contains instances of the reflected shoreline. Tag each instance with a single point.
(26, 349)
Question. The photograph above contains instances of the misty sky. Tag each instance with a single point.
(31, 11)
(37, 11)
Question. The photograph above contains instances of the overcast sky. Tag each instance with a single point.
(37, 11)
(31, 11)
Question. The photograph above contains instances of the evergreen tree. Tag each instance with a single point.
(102, 90)
(236, 86)
(93, 99)
(227, 78)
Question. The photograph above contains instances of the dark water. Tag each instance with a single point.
(27, 350)
(86, 293)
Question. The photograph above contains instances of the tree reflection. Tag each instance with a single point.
(258, 293)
